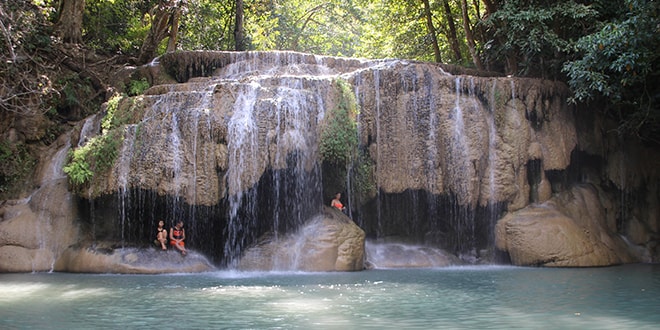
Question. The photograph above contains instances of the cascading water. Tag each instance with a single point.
(46, 224)
(273, 111)
(243, 159)
(460, 169)
(243, 153)
(123, 195)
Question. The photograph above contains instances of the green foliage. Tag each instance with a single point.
(78, 168)
(208, 25)
(116, 25)
(16, 164)
(137, 87)
(363, 171)
(97, 156)
(77, 98)
(537, 34)
(100, 152)
(339, 139)
(619, 62)
(119, 111)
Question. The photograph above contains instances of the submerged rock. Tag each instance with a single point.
(330, 241)
(393, 255)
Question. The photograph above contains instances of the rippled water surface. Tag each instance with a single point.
(623, 297)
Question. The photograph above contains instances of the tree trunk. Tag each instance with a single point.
(468, 35)
(69, 22)
(164, 15)
(239, 37)
(174, 30)
(452, 37)
(429, 25)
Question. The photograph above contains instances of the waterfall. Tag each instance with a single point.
(242, 170)
(124, 195)
(274, 116)
(459, 172)
(233, 151)
(91, 127)
(44, 228)
(379, 220)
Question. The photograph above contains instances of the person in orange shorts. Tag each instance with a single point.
(177, 236)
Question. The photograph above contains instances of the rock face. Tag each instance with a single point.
(34, 231)
(424, 128)
(238, 124)
(229, 142)
(328, 242)
(572, 229)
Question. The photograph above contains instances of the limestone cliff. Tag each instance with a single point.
(230, 142)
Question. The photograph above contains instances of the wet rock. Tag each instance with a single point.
(103, 258)
(394, 255)
(569, 230)
(329, 241)
(34, 231)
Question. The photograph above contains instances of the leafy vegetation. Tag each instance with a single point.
(98, 155)
(93, 158)
(530, 37)
(339, 138)
(119, 111)
(111, 121)
(16, 163)
(619, 63)
(340, 151)
(137, 86)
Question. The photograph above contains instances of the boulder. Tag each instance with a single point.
(569, 230)
(329, 241)
(34, 231)
(103, 258)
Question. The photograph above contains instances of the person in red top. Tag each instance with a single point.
(177, 236)
(337, 203)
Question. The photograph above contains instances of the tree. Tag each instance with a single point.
(238, 30)
(619, 63)
(533, 38)
(70, 20)
(452, 36)
(164, 22)
(25, 85)
(469, 37)
(432, 33)
(208, 25)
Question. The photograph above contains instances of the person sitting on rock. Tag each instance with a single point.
(337, 203)
(161, 235)
(177, 236)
